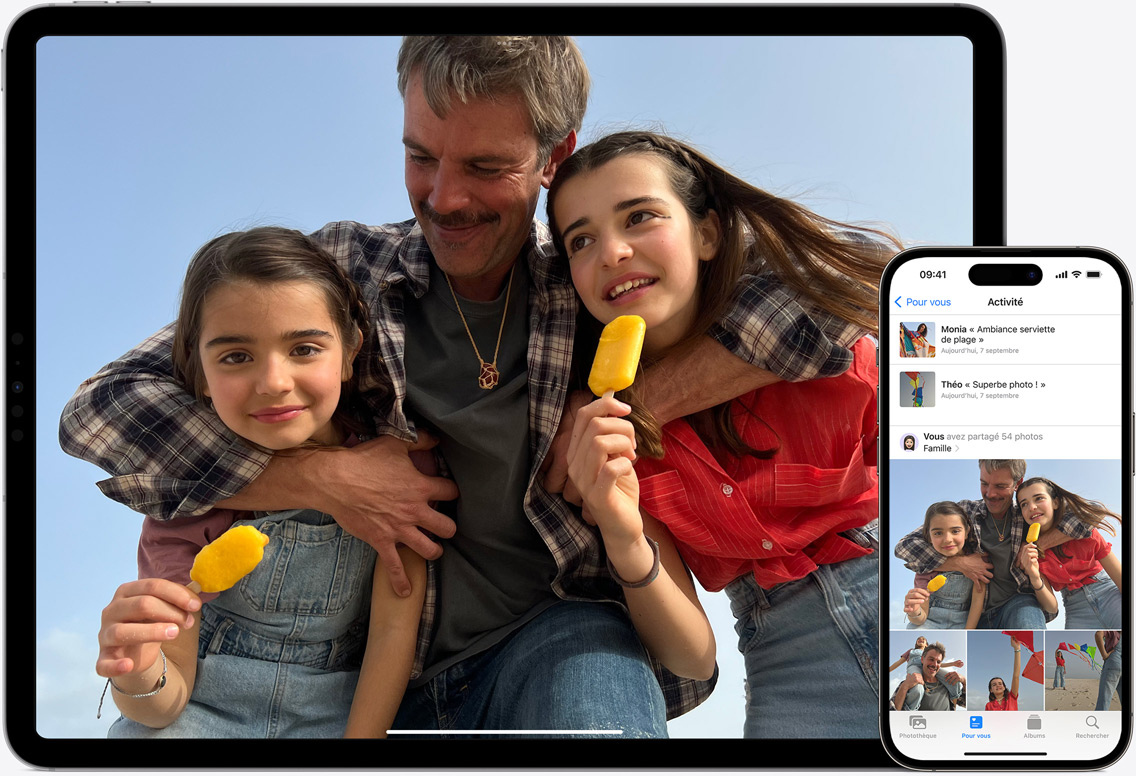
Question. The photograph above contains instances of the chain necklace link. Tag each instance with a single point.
(489, 376)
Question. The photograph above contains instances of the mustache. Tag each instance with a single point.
(456, 220)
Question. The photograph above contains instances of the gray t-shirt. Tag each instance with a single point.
(495, 574)
(938, 695)
(1003, 587)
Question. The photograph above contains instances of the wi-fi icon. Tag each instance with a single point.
(1076, 273)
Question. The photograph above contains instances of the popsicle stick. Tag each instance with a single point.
(194, 587)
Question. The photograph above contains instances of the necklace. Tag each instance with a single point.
(1001, 531)
(489, 374)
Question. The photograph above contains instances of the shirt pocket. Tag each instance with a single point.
(805, 485)
(311, 566)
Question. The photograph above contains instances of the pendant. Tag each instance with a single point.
(488, 377)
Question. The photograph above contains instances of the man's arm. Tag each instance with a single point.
(373, 490)
(171, 456)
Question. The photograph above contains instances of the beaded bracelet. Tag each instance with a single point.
(110, 683)
(654, 572)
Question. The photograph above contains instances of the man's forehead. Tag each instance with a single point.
(998, 475)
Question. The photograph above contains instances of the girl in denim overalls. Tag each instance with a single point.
(1086, 571)
(771, 496)
(958, 603)
(267, 332)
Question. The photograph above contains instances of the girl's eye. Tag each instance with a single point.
(235, 358)
(580, 242)
(306, 350)
(639, 216)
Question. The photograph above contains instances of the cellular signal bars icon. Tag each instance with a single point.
(1064, 274)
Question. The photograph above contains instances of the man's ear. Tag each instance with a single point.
(709, 236)
(561, 152)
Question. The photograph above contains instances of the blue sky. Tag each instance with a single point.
(147, 148)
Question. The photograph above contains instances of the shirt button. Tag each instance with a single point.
(727, 489)
(766, 544)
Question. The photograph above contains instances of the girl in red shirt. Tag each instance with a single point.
(1085, 571)
(772, 496)
(1000, 699)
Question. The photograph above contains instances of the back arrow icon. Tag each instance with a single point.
(897, 304)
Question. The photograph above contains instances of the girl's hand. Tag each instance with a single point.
(1015, 643)
(142, 616)
(914, 599)
(1028, 562)
(600, 465)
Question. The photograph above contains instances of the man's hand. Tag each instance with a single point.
(555, 466)
(975, 567)
(914, 599)
(375, 491)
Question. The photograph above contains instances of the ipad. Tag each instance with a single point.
(135, 134)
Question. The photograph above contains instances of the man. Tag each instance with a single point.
(997, 523)
(939, 692)
(475, 319)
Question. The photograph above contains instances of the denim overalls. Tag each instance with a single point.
(948, 606)
(279, 653)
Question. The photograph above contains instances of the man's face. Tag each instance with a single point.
(997, 490)
(932, 659)
(473, 180)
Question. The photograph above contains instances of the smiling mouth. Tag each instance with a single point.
(628, 287)
(277, 414)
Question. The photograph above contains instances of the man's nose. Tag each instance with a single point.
(448, 190)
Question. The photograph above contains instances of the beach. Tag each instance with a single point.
(1078, 695)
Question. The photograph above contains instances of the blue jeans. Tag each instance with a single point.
(1110, 679)
(1059, 677)
(1093, 607)
(811, 650)
(575, 666)
(1022, 612)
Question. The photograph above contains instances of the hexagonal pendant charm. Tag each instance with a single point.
(488, 377)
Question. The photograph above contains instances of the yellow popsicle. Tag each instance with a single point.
(225, 560)
(1034, 530)
(617, 356)
(936, 583)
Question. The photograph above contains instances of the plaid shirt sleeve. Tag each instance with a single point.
(917, 553)
(770, 326)
(169, 455)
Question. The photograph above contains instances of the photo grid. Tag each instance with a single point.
(949, 645)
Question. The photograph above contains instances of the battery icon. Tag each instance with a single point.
(1092, 274)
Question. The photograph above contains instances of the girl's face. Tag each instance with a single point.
(920, 642)
(274, 362)
(998, 687)
(1036, 505)
(948, 533)
(908, 443)
(633, 247)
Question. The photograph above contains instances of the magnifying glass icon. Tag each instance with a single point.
(1091, 721)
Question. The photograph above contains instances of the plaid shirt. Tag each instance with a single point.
(919, 556)
(171, 456)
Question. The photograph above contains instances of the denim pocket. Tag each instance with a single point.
(311, 566)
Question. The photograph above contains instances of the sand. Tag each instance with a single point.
(1078, 695)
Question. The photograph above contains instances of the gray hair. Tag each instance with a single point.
(1017, 466)
(546, 71)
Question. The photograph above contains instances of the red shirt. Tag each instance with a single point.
(1080, 567)
(780, 518)
(1060, 659)
(1009, 703)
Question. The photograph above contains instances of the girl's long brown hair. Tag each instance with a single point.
(832, 265)
(1091, 513)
